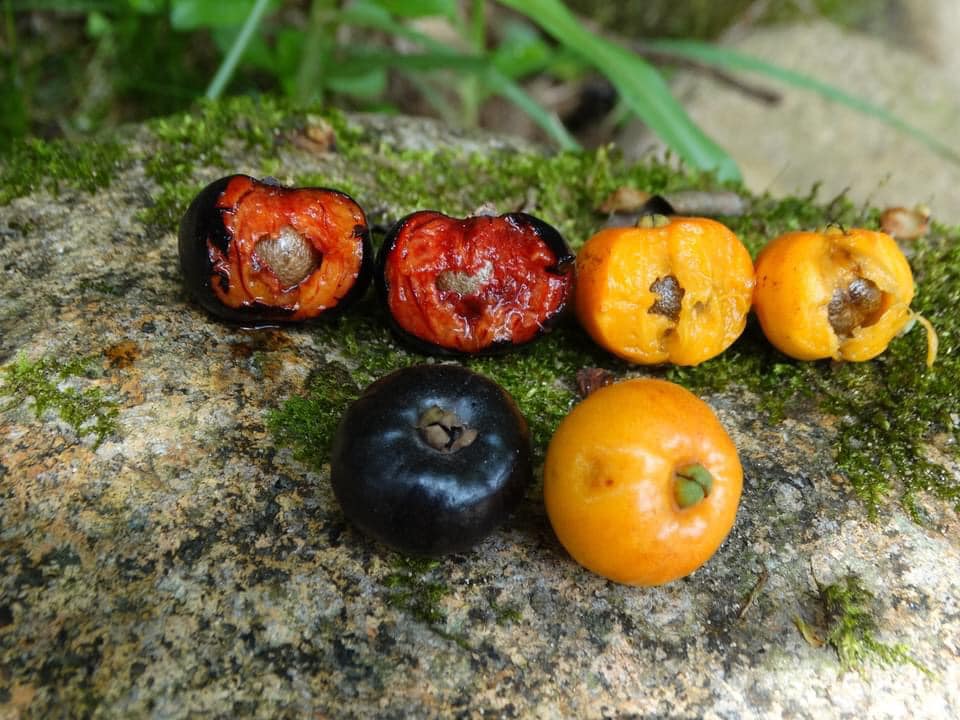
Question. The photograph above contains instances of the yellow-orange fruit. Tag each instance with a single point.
(618, 476)
(841, 294)
(678, 291)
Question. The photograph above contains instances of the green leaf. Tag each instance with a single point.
(441, 57)
(732, 60)
(98, 25)
(521, 51)
(289, 49)
(426, 61)
(249, 30)
(548, 121)
(147, 7)
(369, 14)
(639, 84)
(419, 8)
(365, 85)
(193, 14)
(63, 6)
(257, 54)
(450, 60)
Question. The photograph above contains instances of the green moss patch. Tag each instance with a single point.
(412, 587)
(197, 139)
(56, 165)
(893, 412)
(86, 410)
(563, 188)
(852, 625)
(306, 423)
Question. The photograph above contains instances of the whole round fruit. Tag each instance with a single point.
(430, 459)
(641, 482)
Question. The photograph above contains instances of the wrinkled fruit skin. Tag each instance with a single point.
(257, 253)
(834, 294)
(397, 488)
(609, 482)
(679, 293)
(479, 285)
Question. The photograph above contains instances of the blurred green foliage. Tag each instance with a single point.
(70, 67)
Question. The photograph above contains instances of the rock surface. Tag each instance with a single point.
(187, 565)
(787, 147)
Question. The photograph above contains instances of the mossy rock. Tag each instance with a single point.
(185, 554)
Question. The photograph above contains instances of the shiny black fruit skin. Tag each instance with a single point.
(397, 488)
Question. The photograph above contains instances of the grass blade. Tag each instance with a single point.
(229, 64)
(639, 84)
(441, 56)
(732, 60)
(548, 121)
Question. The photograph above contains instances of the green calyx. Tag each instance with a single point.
(655, 220)
(692, 484)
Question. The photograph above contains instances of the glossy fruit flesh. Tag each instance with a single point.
(477, 284)
(430, 459)
(836, 294)
(264, 252)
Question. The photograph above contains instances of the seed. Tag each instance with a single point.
(290, 256)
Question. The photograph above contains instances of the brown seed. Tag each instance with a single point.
(290, 256)
(853, 306)
(465, 283)
(669, 297)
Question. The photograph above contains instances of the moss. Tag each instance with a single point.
(197, 139)
(87, 411)
(35, 164)
(411, 587)
(542, 379)
(563, 188)
(101, 286)
(306, 423)
(890, 409)
(506, 614)
(852, 625)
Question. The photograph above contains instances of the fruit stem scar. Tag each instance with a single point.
(692, 484)
(444, 431)
(834, 229)
(487, 209)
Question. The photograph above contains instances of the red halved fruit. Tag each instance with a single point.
(260, 253)
(478, 285)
